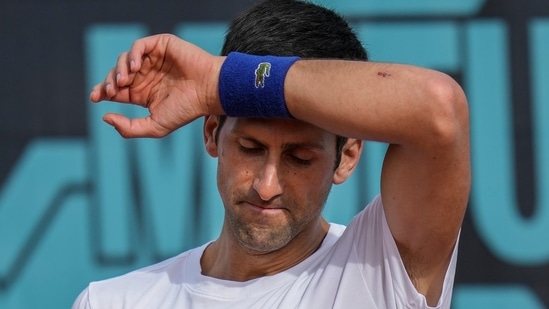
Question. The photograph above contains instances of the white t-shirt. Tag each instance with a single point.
(356, 267)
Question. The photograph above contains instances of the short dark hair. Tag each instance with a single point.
(294, 28)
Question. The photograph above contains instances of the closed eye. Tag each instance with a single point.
(250, 150)
(300, 161)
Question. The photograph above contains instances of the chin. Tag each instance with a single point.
(265, 240)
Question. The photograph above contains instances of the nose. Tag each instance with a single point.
(267, 184)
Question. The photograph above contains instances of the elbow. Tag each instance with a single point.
(449, 110)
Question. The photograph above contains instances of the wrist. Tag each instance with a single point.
(253, 86)
(213, 103)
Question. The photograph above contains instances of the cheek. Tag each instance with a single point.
(232, 173)
(311, 185)
(225, 183)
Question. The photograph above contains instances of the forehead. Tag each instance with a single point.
(281, 131)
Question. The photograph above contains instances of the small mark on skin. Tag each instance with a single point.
(383, 74)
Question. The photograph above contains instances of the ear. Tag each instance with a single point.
(211, 125)
(350, 156)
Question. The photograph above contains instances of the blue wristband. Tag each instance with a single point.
(253, 86)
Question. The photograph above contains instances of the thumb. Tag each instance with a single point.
(138, 127)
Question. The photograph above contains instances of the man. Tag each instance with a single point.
(281, 144)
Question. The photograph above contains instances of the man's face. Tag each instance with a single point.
(273, 176)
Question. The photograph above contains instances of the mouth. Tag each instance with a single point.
(264, 209)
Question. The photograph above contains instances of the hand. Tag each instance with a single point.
(174, 79)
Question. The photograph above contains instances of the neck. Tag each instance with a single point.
(226, 259)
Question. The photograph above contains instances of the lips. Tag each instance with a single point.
(264, 208)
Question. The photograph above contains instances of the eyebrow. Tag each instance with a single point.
(311, 146)
(285, 146)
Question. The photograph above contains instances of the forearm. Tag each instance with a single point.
(375, 101)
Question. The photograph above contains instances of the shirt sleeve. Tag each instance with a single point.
(382, 262)
(82, 301)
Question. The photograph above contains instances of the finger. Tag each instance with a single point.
(138, 127)
(122, 70)
(135, 55)
(145, 46)
(110, 85)
(103, 90)
(95, 94)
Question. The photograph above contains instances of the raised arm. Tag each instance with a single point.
(423, 115)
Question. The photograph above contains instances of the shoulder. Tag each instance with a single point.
(371, 221)
(142, 284)
(366, 236)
